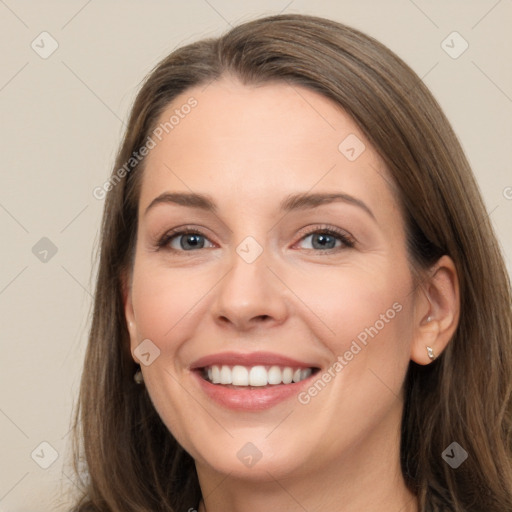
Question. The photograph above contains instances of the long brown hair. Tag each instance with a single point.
(133, 462)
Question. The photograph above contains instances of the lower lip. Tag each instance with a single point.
(250, 399)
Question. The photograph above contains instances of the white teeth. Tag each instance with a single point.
(239, 376)
(287, 375)
(304, 374)
(275, 375)
(256, 376)
(225, 375)
(215, 375)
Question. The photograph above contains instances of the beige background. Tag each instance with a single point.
(62, 118)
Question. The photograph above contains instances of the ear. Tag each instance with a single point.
(437, 311)
(126, 290)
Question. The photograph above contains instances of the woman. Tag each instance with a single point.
(301, 303)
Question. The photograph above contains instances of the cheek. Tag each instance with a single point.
(366, 325)
(164, 298)
(365, 314)
(352, 302)
(165, 302)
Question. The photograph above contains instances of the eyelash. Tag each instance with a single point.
(347, 241)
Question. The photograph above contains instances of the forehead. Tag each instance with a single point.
(260, 141)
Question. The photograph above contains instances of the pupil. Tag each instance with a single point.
(324, 241)
(191, 241)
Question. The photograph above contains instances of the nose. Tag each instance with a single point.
(249, 296)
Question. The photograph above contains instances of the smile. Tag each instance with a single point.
(254, 376)
(251, 381)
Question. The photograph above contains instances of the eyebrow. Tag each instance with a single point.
(301, 201)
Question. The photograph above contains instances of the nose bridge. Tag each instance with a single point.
(249, 292)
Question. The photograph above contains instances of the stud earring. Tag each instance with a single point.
(138, 378)
(430, 353)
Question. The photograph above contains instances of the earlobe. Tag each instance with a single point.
(425, 348)
(437, 312)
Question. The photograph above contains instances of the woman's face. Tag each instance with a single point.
(270, 248)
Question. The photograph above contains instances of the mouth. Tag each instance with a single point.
(251, 381)
(254, 377)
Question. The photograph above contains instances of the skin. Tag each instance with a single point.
(248, 148)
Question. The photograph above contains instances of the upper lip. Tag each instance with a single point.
(249, 359)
